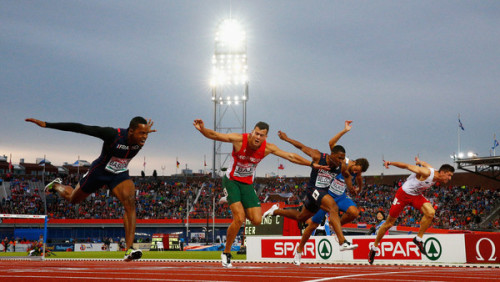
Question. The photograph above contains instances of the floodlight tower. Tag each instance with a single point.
(229, 85)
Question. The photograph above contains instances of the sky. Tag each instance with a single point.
(401, 70)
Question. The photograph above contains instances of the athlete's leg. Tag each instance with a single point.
(328, 204)
(125, 192)
(351, 214)
(71, 195)
(301, 216)
(238, 219)
(426, 220)
(306, 235)
(254, 215)
(389, 222)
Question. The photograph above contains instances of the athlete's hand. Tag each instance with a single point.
(348, 125)
(318, 166)
(417, 161)
(37, 122)
(386, 164)
(282, 135)
(150, 124)
(198, 124)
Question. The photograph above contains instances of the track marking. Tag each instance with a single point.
(364, 274)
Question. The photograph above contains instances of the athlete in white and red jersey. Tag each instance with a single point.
(244, 162)
(248, 150)
(423, 176)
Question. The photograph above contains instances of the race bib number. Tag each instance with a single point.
(337, 187)
(323, 179)
(244, 170)
(117, 165)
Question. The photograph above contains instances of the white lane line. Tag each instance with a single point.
(363, 274)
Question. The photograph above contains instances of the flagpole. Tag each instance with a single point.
(176, 164)
(458, 135)
(494, 143)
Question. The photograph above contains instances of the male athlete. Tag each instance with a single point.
(323, 189)
(423, 176)
(110, 169)
(248, 150)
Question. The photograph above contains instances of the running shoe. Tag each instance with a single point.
(420, 246)
(346, 246)
(50, 187)
(371, 254)
(226, 260)
(132, 254)
(296, 258)
(271, 210)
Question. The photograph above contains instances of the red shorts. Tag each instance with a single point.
(402, 199)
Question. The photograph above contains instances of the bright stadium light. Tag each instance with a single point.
(229, 84)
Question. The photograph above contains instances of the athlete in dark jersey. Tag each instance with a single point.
(317, 196)
(110, 168)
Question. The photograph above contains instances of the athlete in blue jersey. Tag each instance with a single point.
(109, 169)
(317, 197)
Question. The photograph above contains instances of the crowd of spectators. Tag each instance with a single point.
(456, 207)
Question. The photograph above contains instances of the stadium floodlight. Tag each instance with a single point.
(460, 155)
(471, 154)
(229, 84)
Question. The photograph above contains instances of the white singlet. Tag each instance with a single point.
(415, 187)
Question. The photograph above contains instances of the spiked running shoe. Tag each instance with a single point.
(50, 187)
(132, 254)
(346, 246)
(296, 258)
(226, 260)
(420, 246)
(371, 254)
(271, 210)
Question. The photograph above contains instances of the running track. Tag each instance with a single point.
(164, 270)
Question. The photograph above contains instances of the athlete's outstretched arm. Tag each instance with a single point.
(214, 135)
(336, 138)
(37, 122)
(313, 153)
(294, 158)
(419, 170)
(104, 133)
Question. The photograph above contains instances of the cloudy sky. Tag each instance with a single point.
(401, 70)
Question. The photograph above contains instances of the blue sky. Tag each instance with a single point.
(402, 70)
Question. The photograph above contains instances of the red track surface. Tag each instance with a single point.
(82, 270)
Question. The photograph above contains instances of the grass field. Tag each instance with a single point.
(146, 255)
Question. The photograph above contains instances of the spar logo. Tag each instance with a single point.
(433, 248)
(325, 249)
(286, 248)
(389, 249)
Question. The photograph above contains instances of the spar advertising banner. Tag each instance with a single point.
(395, 248)
(482, 248)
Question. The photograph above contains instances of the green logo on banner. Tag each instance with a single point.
(325, 249)
(433, 248)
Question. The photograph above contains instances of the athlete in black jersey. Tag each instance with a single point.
(110, 168)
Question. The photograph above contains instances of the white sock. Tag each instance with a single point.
(419, 239)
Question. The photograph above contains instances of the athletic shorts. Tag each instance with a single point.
(236, 191)
(313, 199)
(343, 202)
(402, 199)
(95, 178)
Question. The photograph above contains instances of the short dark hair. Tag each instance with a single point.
(381, 212)
(136, 121)
(363, 163)
(447, 168)
(337, 149)
(262, 125)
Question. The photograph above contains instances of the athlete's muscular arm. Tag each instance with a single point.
(214, 135)
(336, 138)
(347, 178)
(104, 133)
(419, 170)
(359, 182)
(294, 158)
(313, 153)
